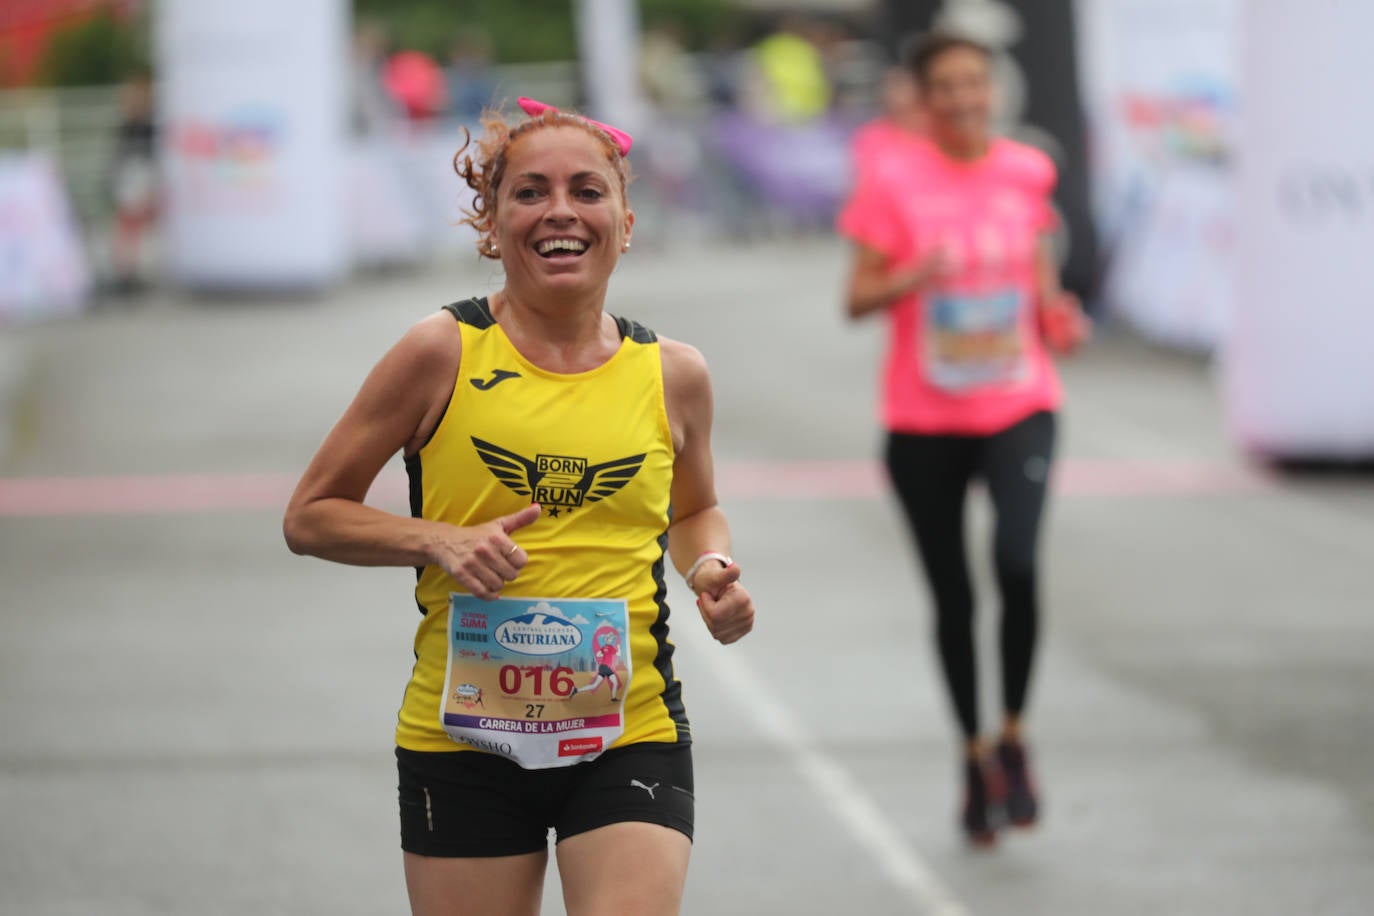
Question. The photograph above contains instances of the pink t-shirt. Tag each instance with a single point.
(966, 357)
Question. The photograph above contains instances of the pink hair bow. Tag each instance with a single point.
(623, 141)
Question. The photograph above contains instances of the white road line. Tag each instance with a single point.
(897, 858)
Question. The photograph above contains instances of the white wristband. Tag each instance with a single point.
(709, 555)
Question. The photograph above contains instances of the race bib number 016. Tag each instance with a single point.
(539, 680)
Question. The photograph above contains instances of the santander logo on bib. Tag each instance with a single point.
(541, 630)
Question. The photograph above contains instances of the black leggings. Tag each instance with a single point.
(931, 475)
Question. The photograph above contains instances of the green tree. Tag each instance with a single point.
(96, 51)
(702, 23)
(533, 30)
(528, 31)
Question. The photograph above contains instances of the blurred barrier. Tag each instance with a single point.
(412, 167)
(720, 173)
(253, 142)
(247, 198)
(1160, 91)
(1298, 360)
(43, 267)
(76, 129)
(799, 171)
(386, 223)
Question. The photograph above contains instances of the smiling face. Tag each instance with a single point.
(560, 218)
(956, 89)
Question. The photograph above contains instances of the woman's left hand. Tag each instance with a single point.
(725, 606)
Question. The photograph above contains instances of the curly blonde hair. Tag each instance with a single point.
(485, 167)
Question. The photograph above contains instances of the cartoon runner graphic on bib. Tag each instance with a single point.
(606, 648)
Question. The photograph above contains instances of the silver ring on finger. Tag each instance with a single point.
(513, 548)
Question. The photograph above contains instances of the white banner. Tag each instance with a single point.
(1159, 90)
(1298, 365)
(43, 268)
(252, 103)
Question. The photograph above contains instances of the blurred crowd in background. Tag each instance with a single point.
(347, 115)
(743, 112)
(744, 132)
(735, 140)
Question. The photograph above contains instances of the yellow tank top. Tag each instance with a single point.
(594, 449)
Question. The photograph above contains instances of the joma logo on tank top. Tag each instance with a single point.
(558, 482)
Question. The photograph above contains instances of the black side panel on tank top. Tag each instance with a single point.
(635, 331)
(472, 311)
(477, 313)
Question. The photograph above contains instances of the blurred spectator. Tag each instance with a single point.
(786, 157)
(672, 158)
(788, 81)
(836, 47)
(470, 80)
(133, 184)
(371, 107)
(416, 83)
(899, 120)
(671, 78)
(724, 67)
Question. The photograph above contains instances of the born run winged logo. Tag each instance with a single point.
(558, 482)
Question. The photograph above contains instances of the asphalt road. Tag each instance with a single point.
(194, 721)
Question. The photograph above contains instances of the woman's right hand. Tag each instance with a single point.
(483, 558)
(931, 269)
(874, 285)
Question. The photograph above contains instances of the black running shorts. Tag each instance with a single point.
(474, 804)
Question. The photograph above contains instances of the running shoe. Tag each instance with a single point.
(1023, 808)
(982, 813)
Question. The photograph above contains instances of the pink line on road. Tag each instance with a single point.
(31, 497)
(143, 494)
(1072, 477)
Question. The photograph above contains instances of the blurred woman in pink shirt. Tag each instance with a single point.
(951, 245)
(899, 120)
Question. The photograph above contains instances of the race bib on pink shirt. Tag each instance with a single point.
(974, 340)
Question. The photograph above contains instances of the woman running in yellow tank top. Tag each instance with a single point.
(559, 459)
